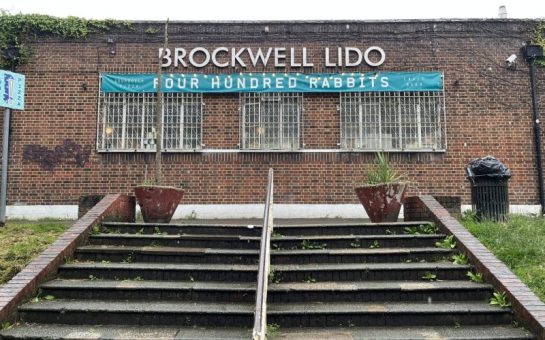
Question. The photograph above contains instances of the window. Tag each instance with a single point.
(395, 121)
(271, 121)
(126, 121)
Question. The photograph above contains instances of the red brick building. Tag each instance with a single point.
(75, 139)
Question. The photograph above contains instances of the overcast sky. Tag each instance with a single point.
(277, 9)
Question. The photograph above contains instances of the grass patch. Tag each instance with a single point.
(519, 243)
(21, 241)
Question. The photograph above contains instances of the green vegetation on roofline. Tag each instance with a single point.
(519, 243)
(13, 29)
(539, 39)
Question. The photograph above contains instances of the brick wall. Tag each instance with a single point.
(452, 204)
(488, 112)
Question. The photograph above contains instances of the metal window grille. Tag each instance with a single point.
(271, 121)
(393, 121)
(126, 121)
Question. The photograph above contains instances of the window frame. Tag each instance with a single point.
(145, 105)
(285, 100)
(397, 111)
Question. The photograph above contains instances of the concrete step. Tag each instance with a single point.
(166, 254)
(464, 332)
(277, 242)
(218, 314)
(378, 291)
(339, 314)
(177, 240)
(365, 291)
(151, 290)
(356, 240)
(255, 229)
(74, 312)
(248, 273)
(116, 332)
(154, 271)
(251, 256)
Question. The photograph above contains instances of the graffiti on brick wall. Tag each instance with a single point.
(68, 152)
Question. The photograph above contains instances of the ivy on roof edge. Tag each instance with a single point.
(13, 29)
(539, 39)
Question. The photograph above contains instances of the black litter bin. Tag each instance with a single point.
(489, 188)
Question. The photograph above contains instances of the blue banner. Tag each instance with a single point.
(275, 82)
(12, 90)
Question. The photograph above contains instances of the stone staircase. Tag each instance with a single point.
(343, 281)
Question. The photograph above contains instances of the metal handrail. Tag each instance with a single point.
(260, 316)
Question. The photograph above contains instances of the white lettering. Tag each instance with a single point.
(348, 51)
(327, 62)
(235, 57)
(384, 82)
(350, 82)
(292, 58)
(215, 57)
(181, 83)
(223, 57)
(325, 83)
(194, 83)
(313, 83)
(292, 83)
(169, 83)
(196, 50)
(179, 55)
(266, 83)
(241, 83)
(380, 51)
(167, 61)
(259, 56)
(228, 83)
(254, 83)
(216, 82)
(362, 82)
(373, 80)
(337, 82)
(279, 54)
(305, 61)
(279, 83)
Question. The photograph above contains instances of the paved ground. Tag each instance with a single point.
(196, 333)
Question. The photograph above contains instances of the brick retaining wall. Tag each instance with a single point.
(24, 285)
(527, 307)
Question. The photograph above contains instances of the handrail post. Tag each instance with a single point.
(260, 314)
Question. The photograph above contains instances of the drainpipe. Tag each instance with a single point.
(531, 53)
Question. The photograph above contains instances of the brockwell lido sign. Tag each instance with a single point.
(274, 82)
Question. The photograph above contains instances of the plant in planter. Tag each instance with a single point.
(383, 192)
(157, 202)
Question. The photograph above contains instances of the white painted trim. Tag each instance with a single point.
(524, 209)
(211, 211)
(226, 211)
(35, 212)
(206, 211)
(287, 151)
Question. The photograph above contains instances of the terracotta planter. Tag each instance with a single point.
(157, 203)
(382, 202)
